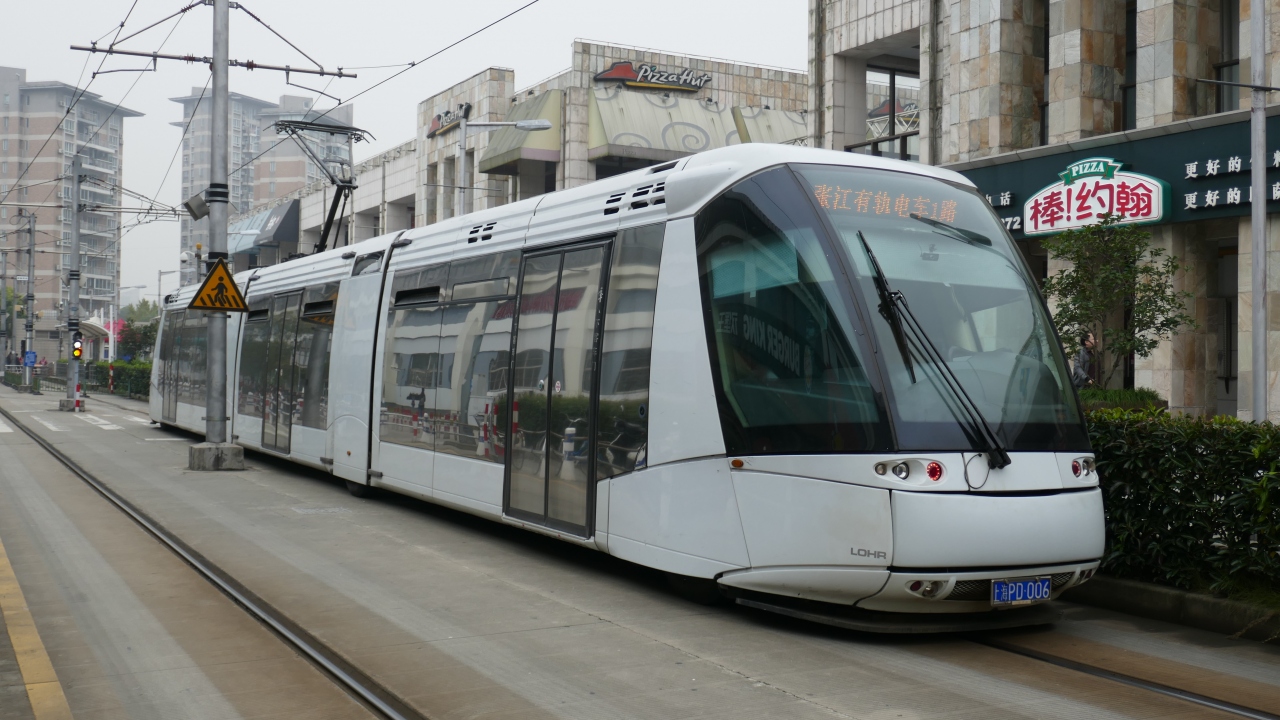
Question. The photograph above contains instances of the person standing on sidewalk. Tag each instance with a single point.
(1082, 370)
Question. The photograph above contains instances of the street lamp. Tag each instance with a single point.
(466, 129)
(160, 274)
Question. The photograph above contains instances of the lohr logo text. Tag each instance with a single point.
(874, 554)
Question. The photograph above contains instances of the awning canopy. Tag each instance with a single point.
(651, 126)
(762, 125)
(281, 225)
(509, 145)
(269, 227)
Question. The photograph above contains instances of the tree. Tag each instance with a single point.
(142, 311)
(1119, 288)
(136, 339)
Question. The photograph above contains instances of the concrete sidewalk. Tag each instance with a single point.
(462, 617)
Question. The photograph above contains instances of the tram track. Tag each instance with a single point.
(368, 692)
(375, 697)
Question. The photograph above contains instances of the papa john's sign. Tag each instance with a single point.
(1091, 189)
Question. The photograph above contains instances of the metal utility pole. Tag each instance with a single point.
(215, 453)
(4, 302)
(72, 401)
(1258, 225)
(31, 298)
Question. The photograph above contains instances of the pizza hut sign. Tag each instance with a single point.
(1091, 189)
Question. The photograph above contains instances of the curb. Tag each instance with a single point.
(1197, 610)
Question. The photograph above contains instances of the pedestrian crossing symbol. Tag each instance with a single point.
(219, 292)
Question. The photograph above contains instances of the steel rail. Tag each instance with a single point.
(1131, 681)
(370, 693)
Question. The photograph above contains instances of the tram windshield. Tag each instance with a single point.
(795, 372)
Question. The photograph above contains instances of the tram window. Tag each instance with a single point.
(789, 373)
(311, 356)
(474, 338)
(622, 425)
(944, 249)
(366, 264)
(253, 359)
(466, 276)
(170, 347)
(411, 365)
(192, 359)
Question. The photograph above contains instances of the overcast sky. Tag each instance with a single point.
(536, 43)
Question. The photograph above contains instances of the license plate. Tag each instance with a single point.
(1021, 591)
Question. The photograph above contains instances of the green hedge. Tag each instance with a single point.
(1135, 399)
(1190, 502)
(131, 378)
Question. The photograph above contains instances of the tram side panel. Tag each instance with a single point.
(680, 514)
(350, 379)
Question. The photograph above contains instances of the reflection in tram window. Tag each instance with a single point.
(789, 378)
(622, 428)
(311, 356)
(192, 359)
(411, 369)
(253, 359)
(474, 342)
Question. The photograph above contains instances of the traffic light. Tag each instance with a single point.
(77, 346)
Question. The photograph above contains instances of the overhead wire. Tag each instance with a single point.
(406, 68)
(186, 128)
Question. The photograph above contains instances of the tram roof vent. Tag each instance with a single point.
(612, 205)
(646, 195)
(481, 232)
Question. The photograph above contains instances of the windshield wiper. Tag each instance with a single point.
(887, 307)
(957, 233)
(893, 305)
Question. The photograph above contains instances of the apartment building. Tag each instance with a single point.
(32, 112)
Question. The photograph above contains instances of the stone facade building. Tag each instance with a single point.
(30, 113)
(1014, 92)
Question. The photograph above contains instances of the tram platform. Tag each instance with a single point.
(457, 617)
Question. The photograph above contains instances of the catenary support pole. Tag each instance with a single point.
(215, 453)
(4, 303)
(30, 305)
(1258, 225)
(72, 401)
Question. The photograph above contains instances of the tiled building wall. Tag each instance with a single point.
(1177, 42)
(1086, 68)
(489, 93)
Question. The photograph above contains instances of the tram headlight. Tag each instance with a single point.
(881, 468)
(901, 471)
(931, 588)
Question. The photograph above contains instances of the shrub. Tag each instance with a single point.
(1093, 398)
(131, 378)
(1190, 502)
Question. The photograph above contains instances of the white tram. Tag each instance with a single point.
(800, 374)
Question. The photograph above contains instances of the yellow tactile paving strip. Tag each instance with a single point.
(43, 689)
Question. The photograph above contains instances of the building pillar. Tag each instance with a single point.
(1244, 306)
(997, 63)
(1177, 42)
(1086, 68)
(577, 168)
(1184, 369)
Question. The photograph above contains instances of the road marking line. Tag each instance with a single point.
(165, 439)
(46, 423)
(139, 420)
(48, 702)
(5, 428)
(95, 420)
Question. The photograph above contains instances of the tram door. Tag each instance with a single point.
(278, 401)
(170, 349)
(554, 365)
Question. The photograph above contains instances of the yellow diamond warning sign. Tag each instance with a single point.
(219, 292)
